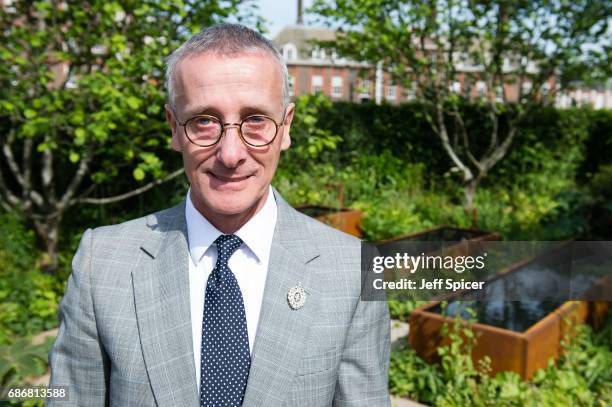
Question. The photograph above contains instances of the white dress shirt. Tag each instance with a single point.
(249, 264)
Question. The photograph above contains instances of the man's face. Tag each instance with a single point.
(229, 180)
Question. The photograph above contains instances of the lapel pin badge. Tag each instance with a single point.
(296, 297)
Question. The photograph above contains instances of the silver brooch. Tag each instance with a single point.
(296, 297)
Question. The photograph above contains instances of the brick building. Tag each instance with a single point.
(312, 70)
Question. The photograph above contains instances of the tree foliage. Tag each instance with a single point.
(537, 46)
(81, 99)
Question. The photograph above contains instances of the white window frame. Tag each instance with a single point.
(499, 93)
(317, 53)
(364, 89)
(411, 91)
(291, 80)
(337, 86)
(456, 87)
(526, 88)
(289, 52)
(391, 91)
(481, 89)
(316, 83)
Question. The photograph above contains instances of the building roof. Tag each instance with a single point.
(301, 37)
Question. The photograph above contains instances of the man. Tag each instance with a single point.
(232, 297)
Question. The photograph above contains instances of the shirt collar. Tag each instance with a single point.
(257, 233)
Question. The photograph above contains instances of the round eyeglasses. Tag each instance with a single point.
(256, 130)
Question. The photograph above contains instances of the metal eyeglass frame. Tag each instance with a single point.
(225, 126)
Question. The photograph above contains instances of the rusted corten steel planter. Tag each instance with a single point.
(598, 310)
(523, 351)
(346, 220)
(520, 352)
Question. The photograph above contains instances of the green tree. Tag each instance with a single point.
(81, 100)
(539, 46)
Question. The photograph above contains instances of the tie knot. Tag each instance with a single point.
(226, 246)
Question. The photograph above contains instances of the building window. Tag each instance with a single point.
(391, 91)
(411, 91)
(481, 88)
(526, 88)
(456, 87)
(289, 52)
(8, 6)
(317, 83)
(317, 53)
(499, 93)
(364, 90)
(336, 86)
(599, 102)
(365, 87)
(291, 85)
(468, 85)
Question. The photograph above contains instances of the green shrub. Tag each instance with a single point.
(401, 309)
(28, 298)
(399, 212)
(21, 359)
(16, 244)
(28, 303)
(601, 184)
(412, 377)
(580, 377)
(599, 143)
(558, 142)
(314, 187)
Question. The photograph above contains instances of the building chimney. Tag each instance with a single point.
(300, 18)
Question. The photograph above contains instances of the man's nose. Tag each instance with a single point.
(232, 150)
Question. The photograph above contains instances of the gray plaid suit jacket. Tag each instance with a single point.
(125, 325)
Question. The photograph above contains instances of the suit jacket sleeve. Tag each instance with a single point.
(364, 367)
(77, 359)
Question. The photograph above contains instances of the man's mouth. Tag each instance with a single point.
(229, 179)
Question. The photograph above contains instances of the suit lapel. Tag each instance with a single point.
(282, 331)
(161, 295)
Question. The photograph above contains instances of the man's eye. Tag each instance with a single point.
(204, 121)
(255, 119)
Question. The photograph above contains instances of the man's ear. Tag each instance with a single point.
(286, 141)
(176, 145)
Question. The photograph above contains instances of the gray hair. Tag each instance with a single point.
(223, 39)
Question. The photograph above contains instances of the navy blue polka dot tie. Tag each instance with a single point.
(225, 340)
